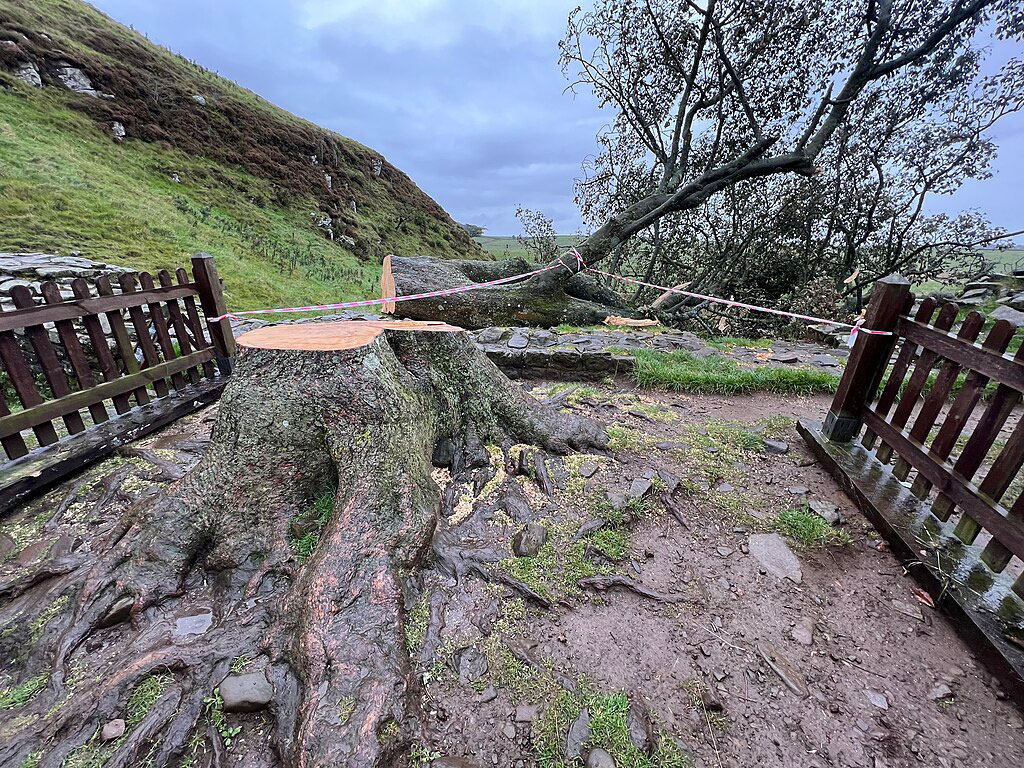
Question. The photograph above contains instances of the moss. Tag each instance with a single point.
(240, 663)
(314, 519)
(39, 623)
(144, 696)
(20, 695)
(389, 731)
(346, 706)
(33, 759)
(622, 439)
(610, 542)
(416, 625)
(555, 570)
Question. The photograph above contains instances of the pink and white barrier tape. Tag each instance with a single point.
(410, 297)
(581, 266)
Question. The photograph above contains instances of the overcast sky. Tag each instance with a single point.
(464, 96)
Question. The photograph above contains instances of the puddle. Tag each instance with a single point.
(193, 623)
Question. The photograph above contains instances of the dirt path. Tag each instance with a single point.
(763, 651)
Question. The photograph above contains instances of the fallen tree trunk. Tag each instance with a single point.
(559, 296)
(242, 558)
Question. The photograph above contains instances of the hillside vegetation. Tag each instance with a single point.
(294, 213)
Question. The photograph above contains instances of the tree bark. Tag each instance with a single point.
(358, 409)
(559, 296)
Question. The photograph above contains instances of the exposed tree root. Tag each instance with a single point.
(212, 571)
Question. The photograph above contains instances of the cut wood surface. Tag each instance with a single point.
(344, 334)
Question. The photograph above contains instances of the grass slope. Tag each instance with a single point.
(248, 190)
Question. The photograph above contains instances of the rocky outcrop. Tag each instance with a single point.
(32, 269)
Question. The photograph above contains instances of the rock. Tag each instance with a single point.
(246, 693)
(772, 552)
(518, 341)
(472, 665)
(803, 632)
(778, 447)
(176, 178)
(939, 692)
(74, 79)
(29, 75)
(510, 731)
(786, 671)
(529, 539)
(329, 180)
(826, 510)
(616, 499)
(578, 735)
(799, 490)
(785, 357)
(599, 758)
(908, 609)
(377, 166)
(349, 241)
(489, 335)
(488, 694)
(199, 99)
(1013, 316)
(877, 699)
(671, 481)
(112, 729)
(119, 611)
(639, 487)
(587, 469)
(825, 361)
(7, 545)
(725, 488)
(525, 713)
(117, 129)
(640, 728)
(725, 551)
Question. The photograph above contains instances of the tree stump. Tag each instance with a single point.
(310, 592)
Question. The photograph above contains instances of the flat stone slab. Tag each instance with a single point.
(775, 556)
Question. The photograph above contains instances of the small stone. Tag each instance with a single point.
(587, 469)
(825, 361)
(803, 632)
(578, 735)
(826, 510)
(525, 713)
(117, 129)
(616, 499)
(518, 341)
(113, 729)
(785, 357)
(908, 609)
(529, 539)
(939, 692)
(725, 551)
(487, 695)
(599, 758)
(472, 665)
(778, 447)
(641, 730)
(639, 487)
(509, 730)
(877, 699)
(246, 693)
(119, 611)
(799, 490)
(199, 99)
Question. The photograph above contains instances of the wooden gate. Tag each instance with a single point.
(90, 373)
(926, 434)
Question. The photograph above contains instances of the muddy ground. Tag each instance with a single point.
(762, 641)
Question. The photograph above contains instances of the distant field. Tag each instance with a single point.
(509, 247)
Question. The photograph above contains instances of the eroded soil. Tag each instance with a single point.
(835, 664)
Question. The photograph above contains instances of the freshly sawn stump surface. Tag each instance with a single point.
(295, 543)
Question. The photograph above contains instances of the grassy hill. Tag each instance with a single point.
(204, 165)
(511, 248)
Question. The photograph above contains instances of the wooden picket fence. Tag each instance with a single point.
(925, 432)
(95, 371)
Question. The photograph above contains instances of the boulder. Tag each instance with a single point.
(246, 693)
(29, 75)
(74, 79)
(117, 130)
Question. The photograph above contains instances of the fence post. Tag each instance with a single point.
(868, 360)
(211, 297)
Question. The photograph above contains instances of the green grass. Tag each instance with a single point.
(809, 529)
(608, 730)
(247, 187)
(510, 248)
(731, 342)
(555, 570)
(680, 371)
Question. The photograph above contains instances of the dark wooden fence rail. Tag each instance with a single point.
(90, 373)
(932, 455)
